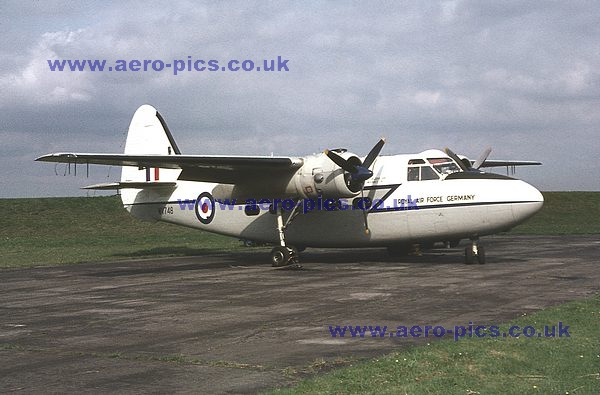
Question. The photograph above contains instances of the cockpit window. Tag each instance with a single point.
(421, 173)
(416, 162)
(444, 165)
(413, 174)
(421, 170)
(427, 173)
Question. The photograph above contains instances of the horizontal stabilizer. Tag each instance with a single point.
(131, 185)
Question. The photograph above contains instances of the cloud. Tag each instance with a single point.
(519, 76)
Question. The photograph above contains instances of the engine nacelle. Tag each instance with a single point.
(319, 176)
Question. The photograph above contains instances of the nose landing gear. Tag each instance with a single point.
(474, 253)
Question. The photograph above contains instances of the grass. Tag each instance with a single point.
(53, 231)
(483, 365)
(565, 213)
(69, 230)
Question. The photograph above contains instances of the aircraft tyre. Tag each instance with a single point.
(481, 255)
(469, 256)
(280, 256)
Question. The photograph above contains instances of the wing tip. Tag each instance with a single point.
(54, 156)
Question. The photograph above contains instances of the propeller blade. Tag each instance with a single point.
(341, 162)
(374, 153)
(455, 157)
(482, 158)
(367, 231)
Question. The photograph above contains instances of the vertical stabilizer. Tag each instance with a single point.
(148, 135)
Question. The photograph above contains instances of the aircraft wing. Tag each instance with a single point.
(211, 168)
(498, 163)
(134, 185)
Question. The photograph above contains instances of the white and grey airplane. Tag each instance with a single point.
(330, 199)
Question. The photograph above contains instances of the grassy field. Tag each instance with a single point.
(484, 365)
(565, 213)
(54, 231)
(71, 230)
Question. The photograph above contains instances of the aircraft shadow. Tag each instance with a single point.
(439, 256)
(166, 251)
(196, 260)
(377, 256)
(191, 259)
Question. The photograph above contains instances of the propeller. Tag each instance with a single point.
(482, 158)
(465, 164)
(455, 157)
(364, 210)
(357, 172)
(372, 155)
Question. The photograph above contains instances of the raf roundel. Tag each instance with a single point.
(205, 208)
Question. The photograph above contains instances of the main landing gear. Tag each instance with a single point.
(474, 252)
(284, 255)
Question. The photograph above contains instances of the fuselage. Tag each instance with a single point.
(415, 198)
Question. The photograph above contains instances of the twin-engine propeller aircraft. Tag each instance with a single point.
(331, 199)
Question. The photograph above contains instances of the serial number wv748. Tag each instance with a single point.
(165, 210)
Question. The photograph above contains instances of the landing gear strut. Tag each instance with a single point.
(474, 253)
(283, 255)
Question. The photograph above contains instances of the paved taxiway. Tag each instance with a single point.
(231, 323)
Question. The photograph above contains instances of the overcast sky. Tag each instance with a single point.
(522, 77)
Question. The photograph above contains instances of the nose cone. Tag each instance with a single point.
(528, 201)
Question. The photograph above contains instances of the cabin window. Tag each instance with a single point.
(251, 210)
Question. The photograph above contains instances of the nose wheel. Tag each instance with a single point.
(474, 253)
